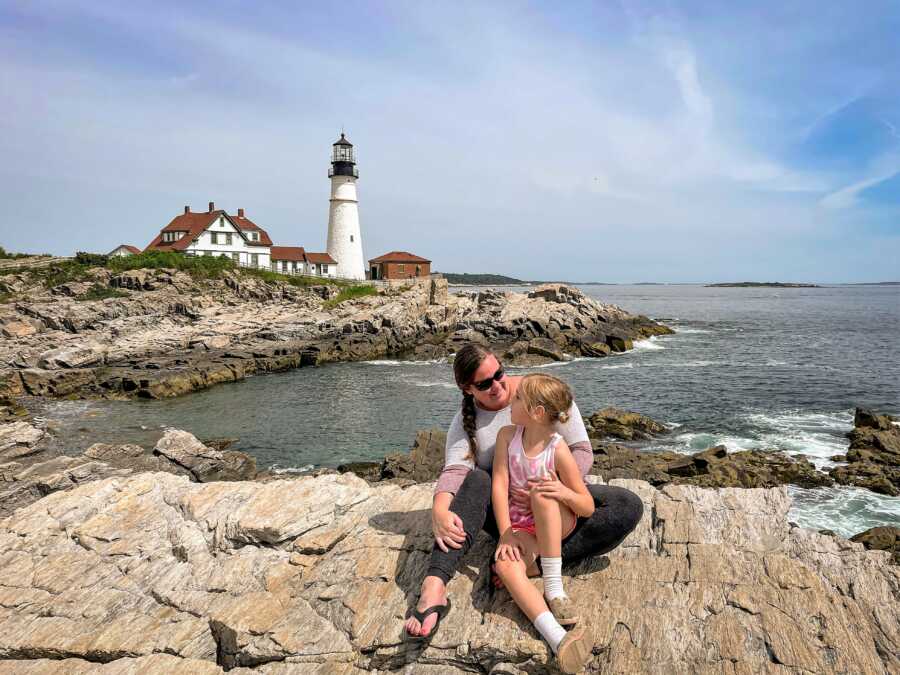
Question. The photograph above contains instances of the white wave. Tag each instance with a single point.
(556, 364)
(819, 436)
(445, 385)
(391, 362)
(692, 442)
(648, 345)
(617, 366)
(690, 331)
(691, 364)
(842, 509)
(291, 469)
(836, 421)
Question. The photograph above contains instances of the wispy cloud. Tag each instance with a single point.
(558, 133)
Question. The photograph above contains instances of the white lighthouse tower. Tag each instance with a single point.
(344, 241)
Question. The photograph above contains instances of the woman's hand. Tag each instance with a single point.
(520, 497)
(448, 529)
(508, 548)
(550, 486)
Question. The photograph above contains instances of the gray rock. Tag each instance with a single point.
(205, 464)
(153, 573)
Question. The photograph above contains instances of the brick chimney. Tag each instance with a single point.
(240, 213)
(187, 209)
(212, 207)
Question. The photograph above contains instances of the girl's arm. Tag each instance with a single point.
(507, 548)
(569, 488)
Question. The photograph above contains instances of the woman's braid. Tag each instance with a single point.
(468, 420)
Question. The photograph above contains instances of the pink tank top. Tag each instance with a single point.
(522, 468)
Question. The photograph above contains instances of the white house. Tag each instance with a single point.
(296, 260)
(289, 260)
(216, 233)
(123, 250)
(322, 264)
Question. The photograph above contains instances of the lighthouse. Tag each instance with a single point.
(344, 241)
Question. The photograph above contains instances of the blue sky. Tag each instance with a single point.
(585, 141)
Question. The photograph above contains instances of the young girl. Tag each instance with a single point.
(531, 455)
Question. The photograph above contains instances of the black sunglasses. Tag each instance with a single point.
(485, 384)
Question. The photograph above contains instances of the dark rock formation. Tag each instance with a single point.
(621, 424)
(874, 454)
(884, 538)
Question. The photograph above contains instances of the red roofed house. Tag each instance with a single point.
(123, 250)
(295, 260)
(216, 233)
(322, 264)
(399, 265)
(289, 259)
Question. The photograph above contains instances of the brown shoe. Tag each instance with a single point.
(564, 611)
(574, 650)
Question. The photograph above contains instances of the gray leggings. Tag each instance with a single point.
(617, 513)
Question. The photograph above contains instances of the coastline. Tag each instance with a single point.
(170, 335)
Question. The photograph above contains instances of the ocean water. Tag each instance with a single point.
(763, 368)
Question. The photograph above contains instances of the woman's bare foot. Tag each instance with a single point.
(434, 592)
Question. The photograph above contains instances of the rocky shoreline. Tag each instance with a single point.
(154, 573)
(186, 559)
(170, 334)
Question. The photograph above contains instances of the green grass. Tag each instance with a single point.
(58, 273)
(6, 255)
(199, 267)
(299, 281)
(101, 292)
(350, 293)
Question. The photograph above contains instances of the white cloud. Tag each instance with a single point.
(490, 130)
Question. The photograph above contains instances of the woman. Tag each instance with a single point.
(462, 500)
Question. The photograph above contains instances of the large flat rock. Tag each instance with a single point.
(151, 573)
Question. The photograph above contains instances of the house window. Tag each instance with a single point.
(351, 238)
(213, 238)
(284, 265)
(324, 269)
(401, 267)
(254, 236)
(221, 221)
(236, 257)
(228, 238)
(254, 259)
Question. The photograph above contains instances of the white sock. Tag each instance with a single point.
(552, 571)
(547, 626)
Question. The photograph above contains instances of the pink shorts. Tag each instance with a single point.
(531, 528)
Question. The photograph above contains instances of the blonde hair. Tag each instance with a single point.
(547, 391)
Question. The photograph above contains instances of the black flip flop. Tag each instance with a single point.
(439, 610)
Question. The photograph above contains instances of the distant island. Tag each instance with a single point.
(761, 284)
(455, 279)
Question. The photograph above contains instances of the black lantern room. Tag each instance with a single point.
(343, 159)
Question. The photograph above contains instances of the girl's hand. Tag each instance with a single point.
(448, 530)
(550, 486)
(508, 548)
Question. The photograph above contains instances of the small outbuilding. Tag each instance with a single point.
(322, 264)
(399, 265)
(123, 250)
